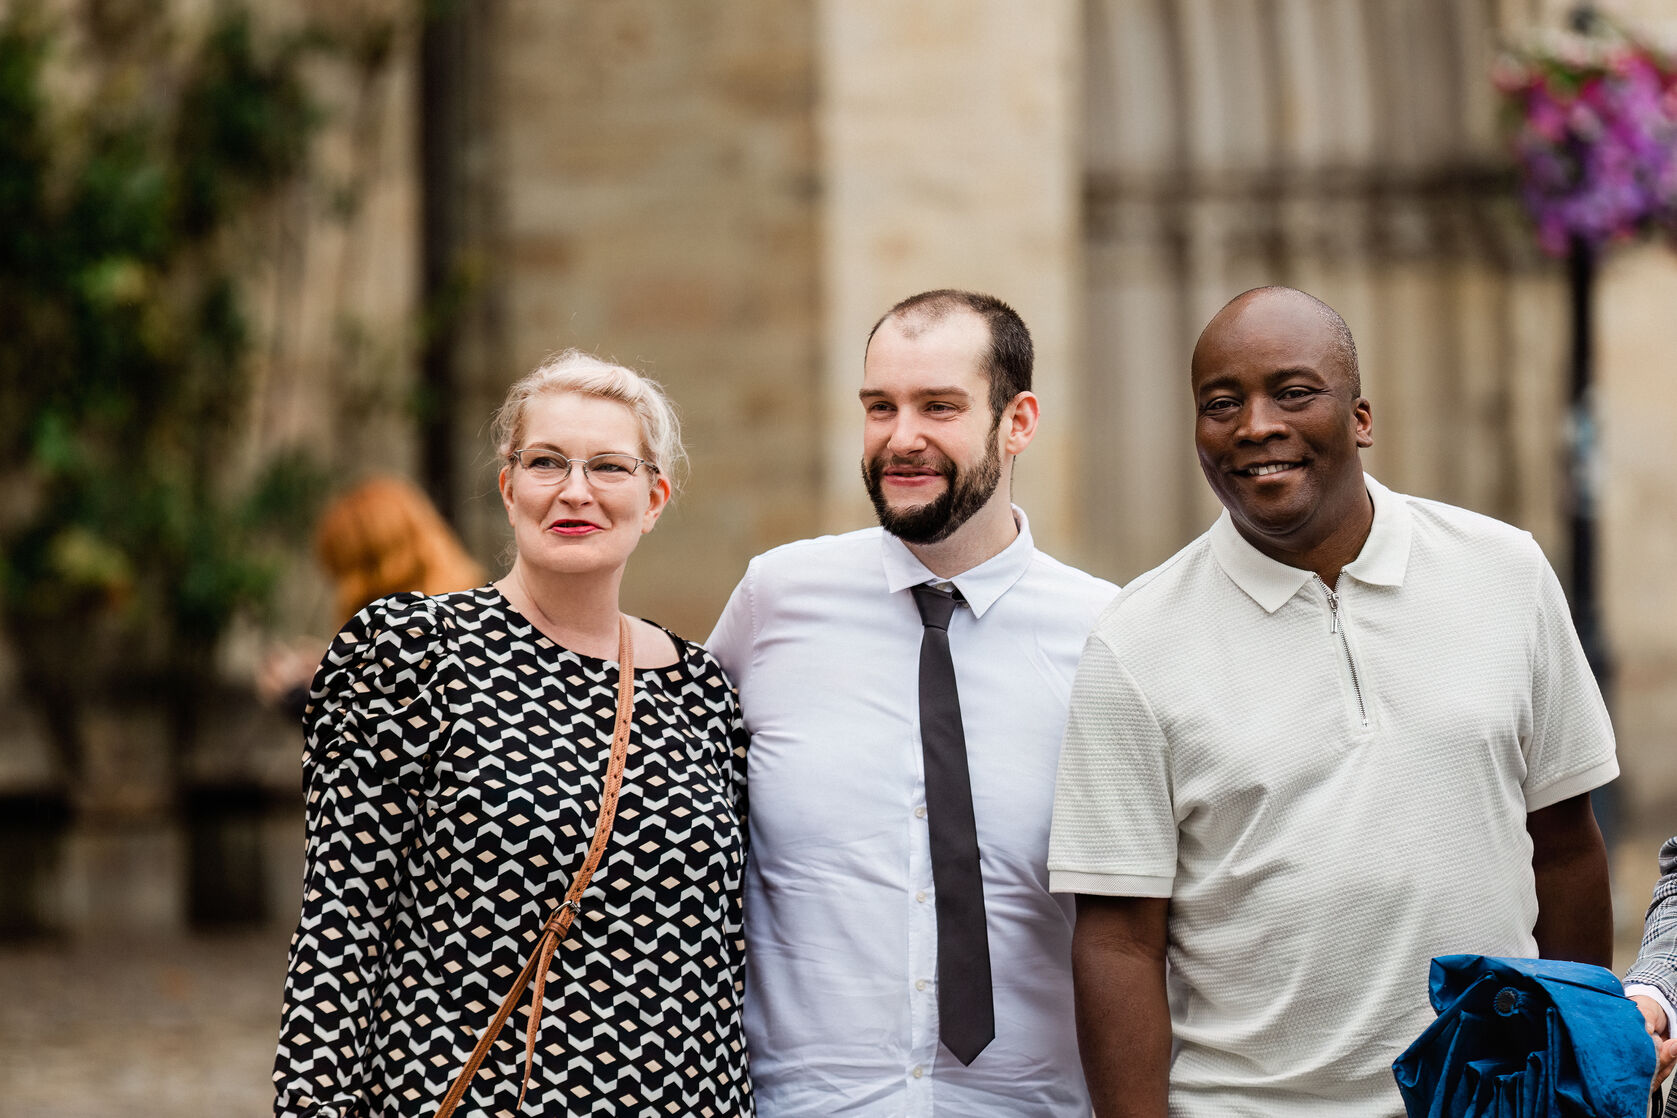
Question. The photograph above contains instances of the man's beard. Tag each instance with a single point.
(963, 495)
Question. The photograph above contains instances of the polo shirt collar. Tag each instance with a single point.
(1382, 561)
(981, 586)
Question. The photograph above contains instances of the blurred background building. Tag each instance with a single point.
(727, 195)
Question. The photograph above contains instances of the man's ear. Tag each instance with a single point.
(1019, 421)
(1364, 413)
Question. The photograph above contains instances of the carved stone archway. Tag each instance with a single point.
(1347, 147)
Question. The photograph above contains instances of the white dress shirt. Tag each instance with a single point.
(822, 638)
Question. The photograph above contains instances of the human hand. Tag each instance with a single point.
(1659, 1028)
(288, 666)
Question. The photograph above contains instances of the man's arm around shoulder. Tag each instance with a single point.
(1123, 1015)
(1569, 864)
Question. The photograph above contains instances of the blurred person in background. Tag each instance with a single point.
(1651, 981)
(382, 537)
(456, 757)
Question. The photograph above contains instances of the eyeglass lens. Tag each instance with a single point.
(607, 469)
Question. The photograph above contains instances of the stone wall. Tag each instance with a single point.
(1637, 337)
(951, 131)
(1348, 149)
(661, 192)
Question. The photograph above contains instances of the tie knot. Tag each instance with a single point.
(936, 606)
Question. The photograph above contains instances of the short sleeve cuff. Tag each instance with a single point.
(1632, 989)
(1567, 787)
(1108, 884)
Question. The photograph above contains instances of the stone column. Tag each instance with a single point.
(659, 208)
(952, 158)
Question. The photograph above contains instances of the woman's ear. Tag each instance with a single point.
(504, 483)
(657, 501)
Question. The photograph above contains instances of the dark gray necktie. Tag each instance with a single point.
(966, 1015)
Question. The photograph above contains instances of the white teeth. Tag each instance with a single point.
(1260, 471)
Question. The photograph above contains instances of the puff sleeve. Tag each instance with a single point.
(376, 713)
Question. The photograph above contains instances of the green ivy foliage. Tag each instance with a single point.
(124, 340)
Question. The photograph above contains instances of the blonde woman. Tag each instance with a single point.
(456, 756)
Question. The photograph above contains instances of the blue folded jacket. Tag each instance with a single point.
(1527, 1038)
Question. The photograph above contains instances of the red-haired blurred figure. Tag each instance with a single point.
(385, 536)
(380, 538)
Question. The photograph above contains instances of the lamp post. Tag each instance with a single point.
(1583, 470)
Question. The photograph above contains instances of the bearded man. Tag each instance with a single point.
(905, 688)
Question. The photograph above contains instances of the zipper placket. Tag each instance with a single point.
(1345, 643)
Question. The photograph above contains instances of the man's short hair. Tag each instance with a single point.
(1007, 365)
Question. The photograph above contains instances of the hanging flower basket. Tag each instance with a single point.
(1593, 118)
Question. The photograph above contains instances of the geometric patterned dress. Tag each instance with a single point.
(452, 770)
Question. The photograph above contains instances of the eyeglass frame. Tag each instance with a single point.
(516, 457)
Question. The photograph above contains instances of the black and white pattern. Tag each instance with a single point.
(453, 771)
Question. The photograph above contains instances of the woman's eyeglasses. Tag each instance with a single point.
(550, 467)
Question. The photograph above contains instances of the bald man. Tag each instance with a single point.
(1342, 732)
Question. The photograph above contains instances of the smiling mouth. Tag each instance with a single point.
(573, 527)
(1269, 468)
(911, 475)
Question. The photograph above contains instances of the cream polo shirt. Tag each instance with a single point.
(1329, 798)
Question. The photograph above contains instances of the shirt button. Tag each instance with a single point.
(921, 896)
(920, 985)
(920, 812)
(918, 1072)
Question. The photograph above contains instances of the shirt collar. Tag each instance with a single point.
(982, 585)
(1382, 561)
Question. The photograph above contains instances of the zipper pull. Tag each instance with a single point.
(1333, 608)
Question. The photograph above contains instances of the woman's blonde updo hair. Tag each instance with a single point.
(587, 375)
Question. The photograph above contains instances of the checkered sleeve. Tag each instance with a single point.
(1656, 963)
(1114, 830)
(371, 724)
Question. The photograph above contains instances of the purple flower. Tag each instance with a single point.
(1595, 140)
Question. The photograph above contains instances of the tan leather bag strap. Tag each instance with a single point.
(559, 920)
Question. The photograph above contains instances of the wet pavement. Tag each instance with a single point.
(185, 1028)
(182, 1029)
